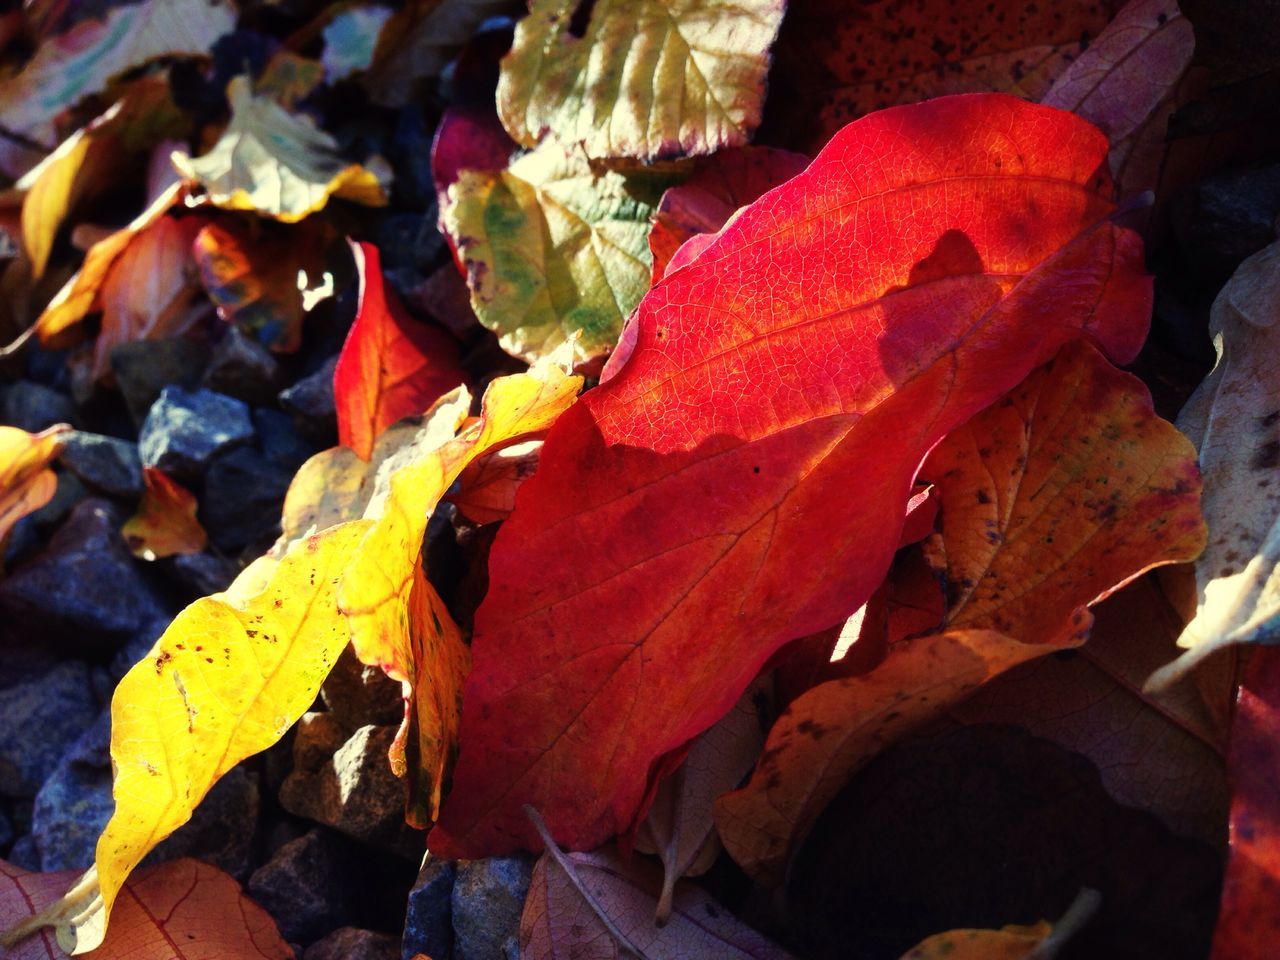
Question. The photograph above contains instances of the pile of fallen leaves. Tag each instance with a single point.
(806, 504)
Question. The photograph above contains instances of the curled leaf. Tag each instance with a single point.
(1234, 420)
(26, 482)
(391, 365)
(274, 162)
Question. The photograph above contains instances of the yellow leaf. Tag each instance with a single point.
(26, 482)
(552, 249)
(83, 292)
(91, 160)
(83, 61)
(650, 79)
(376, 586)
(276, 163)
(231, 674)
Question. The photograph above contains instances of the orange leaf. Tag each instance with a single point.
(165, 523)
(487, 488)
(1125, 83)
(180, 910)
(146, 288)
(391, 365)
(1064, 491)
(26, 482)
(1248, 924)
(924, 264)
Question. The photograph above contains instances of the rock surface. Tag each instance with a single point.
(104, 464)
(145, 367)
(221, 831)
(185, 430)
(488, 898)
(428, 918)
(303, 887)
(353, 791)
(243, 497)
(310, 400)
(353, 943)
(33, 406)
(75, 802)
(84, 591)
(59, 703)
(359, 695)
(243, 368)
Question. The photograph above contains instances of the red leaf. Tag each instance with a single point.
(743, 478)
(1248, 924)
(723, 182)
(391, 366)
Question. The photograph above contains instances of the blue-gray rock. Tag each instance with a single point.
(105, 464)
(33, 406)
(428, 916)
(66, 495)
(84, 592)
(221, 831)
(75, 803)
(353, 943)
(6, 830)
(1227, 217)
(41, 716)
(199, 574)
(303, 887)
(243, 496)
(23, 853)
(145, 367)
(279, 440)
(310, 400)
(138, 646)
(488, 898)
(241, 367)
(185, 430)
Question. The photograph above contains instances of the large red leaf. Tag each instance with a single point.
(742, 478)
(391, 366)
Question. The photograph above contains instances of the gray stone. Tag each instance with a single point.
(40, 718)
(353, 791)
(23, 854)
(1227, 217)
(185, 430)
(280, 441)
(84, 591)
(33, 406)
(360, 695)
(145, 367)
(74, 803)
(200, 573)
(221, 831)
(243, 496)
(243, 368)
(137, 647)
(428, 917)
(352, 943)
(311, 402)
(302, 887)
(488, 898)
(106, 464)
(66, 495)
